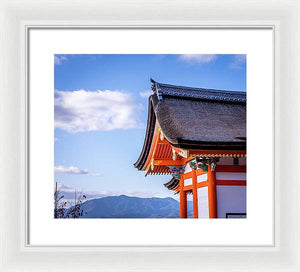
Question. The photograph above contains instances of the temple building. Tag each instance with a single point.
(198, 136)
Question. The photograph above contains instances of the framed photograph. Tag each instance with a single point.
(132, 145)
(173, 111)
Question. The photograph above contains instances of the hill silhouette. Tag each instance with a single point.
(132, 207)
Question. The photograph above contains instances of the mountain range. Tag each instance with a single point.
(132, 207)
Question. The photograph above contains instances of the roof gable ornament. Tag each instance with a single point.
(184, 153)
(156, 89)
(180, 151)
(174, 155)
(161, 136)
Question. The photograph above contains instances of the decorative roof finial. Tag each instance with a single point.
(152, 80)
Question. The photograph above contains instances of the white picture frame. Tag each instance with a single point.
(16, 18)
(257, 229)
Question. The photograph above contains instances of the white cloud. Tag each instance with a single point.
(58, 60)
(146, 94)
(238, 61)
(198, 58)
(70, 170)
(83, 110)
(73, 170)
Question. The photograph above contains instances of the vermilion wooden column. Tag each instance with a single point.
(195, 194)
(183, 201)
(212, 193)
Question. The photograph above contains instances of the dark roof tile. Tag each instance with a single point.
(172, 184)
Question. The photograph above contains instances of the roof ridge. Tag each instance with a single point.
(201, 89)
(163, 89)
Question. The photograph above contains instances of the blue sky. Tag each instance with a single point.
(101, 114)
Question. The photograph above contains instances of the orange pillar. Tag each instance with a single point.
(212, 193)
(195, 194)
(183, 201)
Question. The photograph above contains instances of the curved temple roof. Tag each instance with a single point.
(172, 184)
(196, 118)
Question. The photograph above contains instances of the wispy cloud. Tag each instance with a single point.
(82, 110)
(73, 170)
(238, 61)
(95, 174)
(69, 192)
(198, 58)
(59, 59)
(126, 192)
(146, 94)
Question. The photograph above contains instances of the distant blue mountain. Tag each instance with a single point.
(132, 207)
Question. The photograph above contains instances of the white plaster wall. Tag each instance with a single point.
(202, 202)
(187, 168)
(188, 181)
(230, 176)
(202, 178)
(231, 199)
(189, 198)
